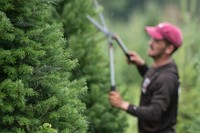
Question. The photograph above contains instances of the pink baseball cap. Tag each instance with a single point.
(166, 31)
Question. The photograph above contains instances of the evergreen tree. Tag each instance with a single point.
(36, 86)
(189, 116)
(93, 65)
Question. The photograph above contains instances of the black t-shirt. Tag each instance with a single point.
(159, 99)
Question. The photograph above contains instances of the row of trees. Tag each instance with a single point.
(124, 9)
(54, 77)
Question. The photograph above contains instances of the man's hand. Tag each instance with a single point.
(135, 58)
(116, 101)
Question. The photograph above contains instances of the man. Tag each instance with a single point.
(157, 111)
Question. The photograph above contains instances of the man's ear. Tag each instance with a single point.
(170, 49)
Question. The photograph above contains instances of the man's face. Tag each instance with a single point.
(156, 48)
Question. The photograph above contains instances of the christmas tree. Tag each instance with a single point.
(37, 89)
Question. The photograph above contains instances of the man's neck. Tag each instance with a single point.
(161, 61)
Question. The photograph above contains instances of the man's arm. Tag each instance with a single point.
(142, 69)
(159, 102)
(116, 101)
(150, 113)
(139, 62)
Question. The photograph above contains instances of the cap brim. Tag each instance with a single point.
(153, 32)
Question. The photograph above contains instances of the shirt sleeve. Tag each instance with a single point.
(142, 69)
(159, 103)
(150, 113)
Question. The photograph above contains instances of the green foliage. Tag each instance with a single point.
(82, 38)
(44, 73)
(189, 119)
(46, 128)
(36, 84)
(124, 9)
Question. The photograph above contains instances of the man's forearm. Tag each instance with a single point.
(124, 105)
(143, 69)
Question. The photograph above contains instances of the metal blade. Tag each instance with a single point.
(101, 28)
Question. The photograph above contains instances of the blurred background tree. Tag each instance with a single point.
(122, 10)
(83, 41)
